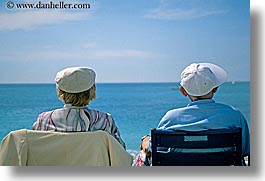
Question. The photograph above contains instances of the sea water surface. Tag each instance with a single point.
(135, 107)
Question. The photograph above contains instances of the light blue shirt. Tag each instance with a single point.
(207, 114)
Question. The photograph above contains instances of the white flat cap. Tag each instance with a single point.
(75, 79)
(199, 79)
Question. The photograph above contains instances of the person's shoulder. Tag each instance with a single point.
(229, 109)
(175, 112)
(99, 113)
(227, 106)
(179, 109)
(52, 111)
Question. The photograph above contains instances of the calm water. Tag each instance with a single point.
(135, 107)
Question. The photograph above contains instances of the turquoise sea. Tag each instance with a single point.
(135, 107)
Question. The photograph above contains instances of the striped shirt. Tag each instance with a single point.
(72, 119)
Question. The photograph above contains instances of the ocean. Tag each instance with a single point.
(135, 107)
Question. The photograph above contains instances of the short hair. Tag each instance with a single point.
(77, 99)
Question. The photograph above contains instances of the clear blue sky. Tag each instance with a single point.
(125, 41)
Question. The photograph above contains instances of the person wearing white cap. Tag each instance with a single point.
(199, 82)
(76, 88)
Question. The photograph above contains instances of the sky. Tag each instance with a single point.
(123, 40)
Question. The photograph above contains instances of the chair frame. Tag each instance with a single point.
(221, 138)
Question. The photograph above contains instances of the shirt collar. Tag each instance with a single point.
(203, 101)
(74, 107)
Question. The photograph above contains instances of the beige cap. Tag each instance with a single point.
(75, 79)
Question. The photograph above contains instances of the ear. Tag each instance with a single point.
(182, 90)
(215, 89)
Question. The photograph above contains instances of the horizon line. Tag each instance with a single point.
(17, 83)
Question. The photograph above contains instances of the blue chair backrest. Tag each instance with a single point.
(196, 148)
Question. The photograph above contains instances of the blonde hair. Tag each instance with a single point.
(77, 99)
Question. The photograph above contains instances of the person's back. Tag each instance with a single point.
(76, 88)
(199, 82)
(204, 115)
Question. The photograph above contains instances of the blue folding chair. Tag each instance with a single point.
(197, 148)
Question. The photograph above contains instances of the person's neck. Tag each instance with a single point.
(197, 98)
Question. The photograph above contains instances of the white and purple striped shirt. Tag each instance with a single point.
(71, 119)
